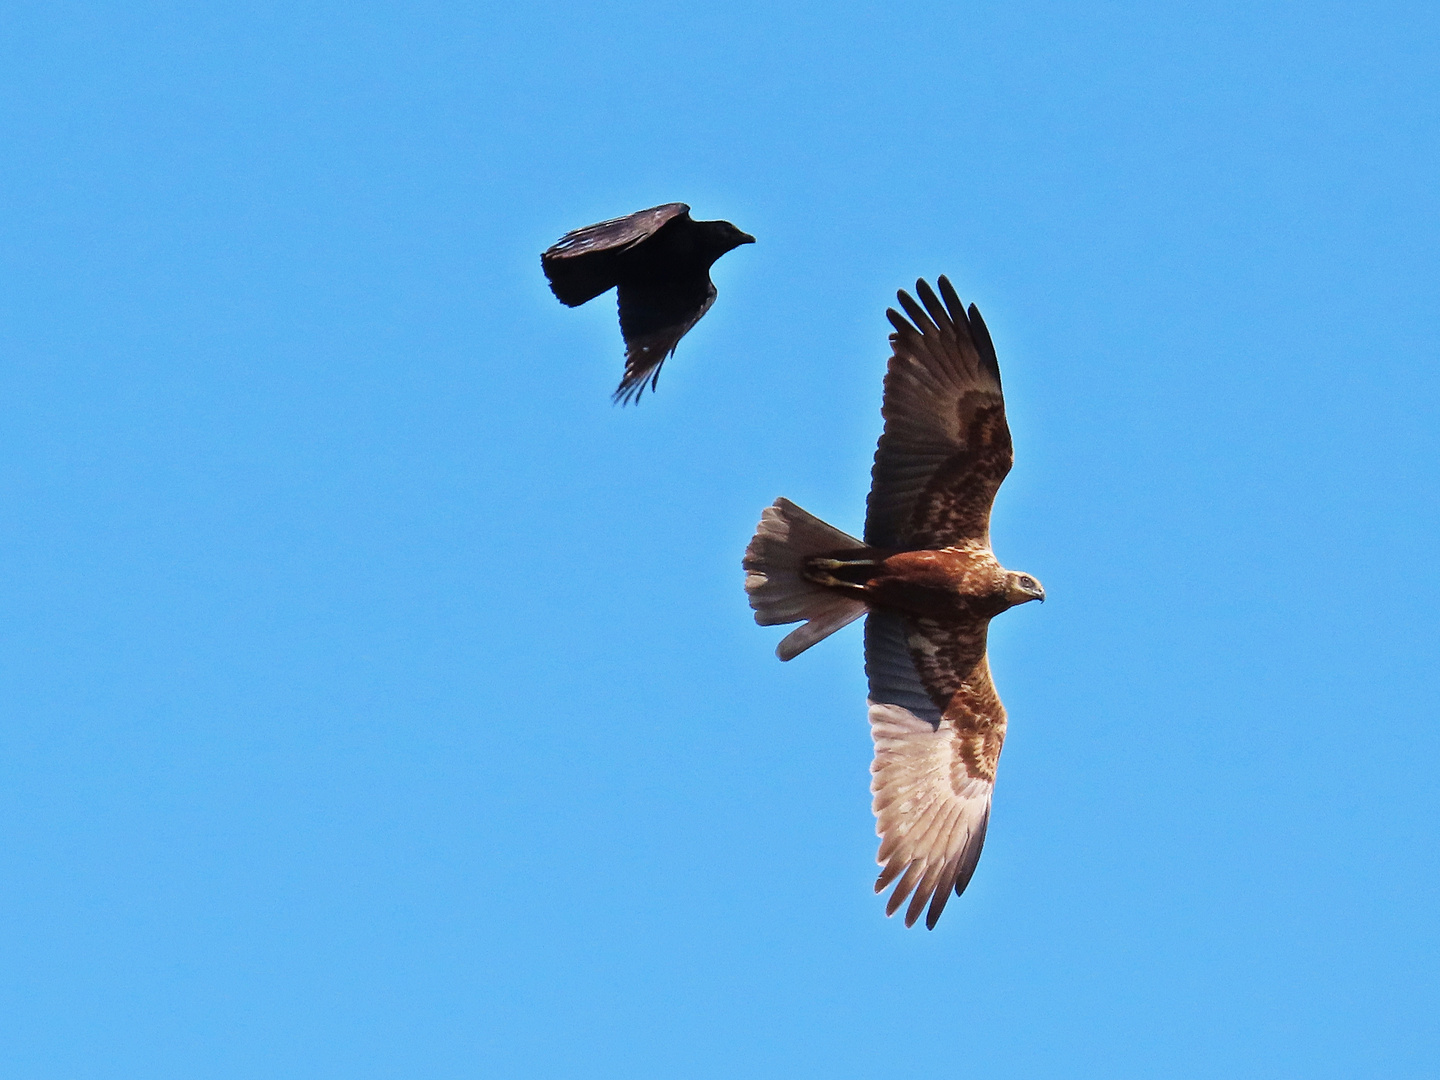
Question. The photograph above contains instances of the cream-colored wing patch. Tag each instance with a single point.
(931, 811)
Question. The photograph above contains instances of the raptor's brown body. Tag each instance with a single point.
(953, 583)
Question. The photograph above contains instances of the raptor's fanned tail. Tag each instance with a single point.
(775, 579)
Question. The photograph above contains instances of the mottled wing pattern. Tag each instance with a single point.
(945, 654)
(938, 728)
(946, 445)
(583, 264)
(653, 319)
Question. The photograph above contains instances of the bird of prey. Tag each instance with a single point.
(658, 261)
(927, 580)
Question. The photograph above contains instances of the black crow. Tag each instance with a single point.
(659, 262)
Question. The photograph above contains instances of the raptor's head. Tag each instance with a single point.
(1020, 588)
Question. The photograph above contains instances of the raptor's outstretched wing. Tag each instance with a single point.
(946, 445)
(938, 727)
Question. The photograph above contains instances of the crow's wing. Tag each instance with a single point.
(946, 445)
(583, 264)
(653, 319)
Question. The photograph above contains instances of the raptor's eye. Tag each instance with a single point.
(1027, 582)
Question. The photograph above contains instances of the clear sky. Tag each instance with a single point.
(380, 701)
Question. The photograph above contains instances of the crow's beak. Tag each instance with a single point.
(746, 238)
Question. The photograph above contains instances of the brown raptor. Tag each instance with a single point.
(930, 585)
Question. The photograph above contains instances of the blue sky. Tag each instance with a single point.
(379, 701)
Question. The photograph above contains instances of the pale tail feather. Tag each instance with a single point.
(774, 577)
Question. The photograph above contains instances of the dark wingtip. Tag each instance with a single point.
(554, 288)
(628, 393)
(938, 312)
(980, 334)
(953, 303)
(919, 317)
(631, 390)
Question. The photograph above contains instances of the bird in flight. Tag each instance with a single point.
(927, 580)
(658, 261)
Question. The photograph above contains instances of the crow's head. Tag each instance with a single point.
(721, 236)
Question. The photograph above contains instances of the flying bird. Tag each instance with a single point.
(658, 261)
(929, 584)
